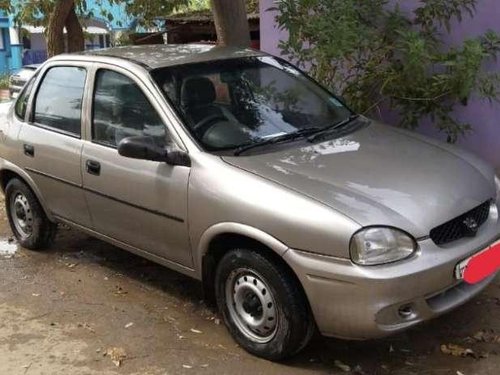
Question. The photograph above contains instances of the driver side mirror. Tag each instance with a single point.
(144, 148)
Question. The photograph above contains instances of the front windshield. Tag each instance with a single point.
(233, 103)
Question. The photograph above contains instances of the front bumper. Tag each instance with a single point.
(355, 302)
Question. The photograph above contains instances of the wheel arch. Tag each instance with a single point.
(223, 237)
(8, 173)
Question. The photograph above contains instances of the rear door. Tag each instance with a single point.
(50, 140)
(140, 203)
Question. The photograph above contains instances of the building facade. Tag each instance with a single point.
(10, 47)
(31, 48)
(484, 140)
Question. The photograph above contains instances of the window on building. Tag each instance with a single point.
(2, 42)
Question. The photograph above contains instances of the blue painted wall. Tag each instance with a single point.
(10, 55)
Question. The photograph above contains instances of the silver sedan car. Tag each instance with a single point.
(234, 167)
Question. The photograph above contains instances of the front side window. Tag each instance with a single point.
(59, 99)
(22, 101)
(122, 110)
(238, 102)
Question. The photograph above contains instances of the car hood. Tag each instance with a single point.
(381, 175)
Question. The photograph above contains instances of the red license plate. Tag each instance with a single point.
(479, 266)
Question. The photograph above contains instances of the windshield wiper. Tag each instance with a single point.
(280, 138)
(333, 127)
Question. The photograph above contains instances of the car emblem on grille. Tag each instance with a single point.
(470, 226)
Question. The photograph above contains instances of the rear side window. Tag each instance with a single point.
(122, 110)
(22, 101)
(59, 100)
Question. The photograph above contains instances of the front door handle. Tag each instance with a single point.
(93, 167)
(29, 150)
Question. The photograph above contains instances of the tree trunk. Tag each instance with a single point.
(76, 38)
(231, 22)
(55, 28)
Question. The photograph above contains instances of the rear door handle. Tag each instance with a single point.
(93, 167)
(29, 150)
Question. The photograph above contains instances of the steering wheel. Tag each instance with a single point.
(205, 124)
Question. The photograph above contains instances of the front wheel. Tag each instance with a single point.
(262, 304)
(31, 227)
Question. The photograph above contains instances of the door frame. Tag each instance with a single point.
(145, 83)
(29, 117)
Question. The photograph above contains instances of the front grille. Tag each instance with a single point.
(465, 225)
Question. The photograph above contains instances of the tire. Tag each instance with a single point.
(262, 304)
(27, 219)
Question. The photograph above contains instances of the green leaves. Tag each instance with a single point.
(374, 54)
(440, 12)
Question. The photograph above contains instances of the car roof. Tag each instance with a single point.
(165, 55)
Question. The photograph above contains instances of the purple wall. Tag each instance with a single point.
(484, 117)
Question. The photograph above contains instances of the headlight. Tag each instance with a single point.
(380, 245)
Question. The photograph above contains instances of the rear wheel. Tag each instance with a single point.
(27, 219)
(263, 306)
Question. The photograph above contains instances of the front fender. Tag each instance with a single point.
(8, 167)
(239, 229)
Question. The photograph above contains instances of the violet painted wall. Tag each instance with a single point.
(484, 117)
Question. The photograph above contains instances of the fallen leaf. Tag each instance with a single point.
(36, 295)
(86, 326)
(342, 366)
(460, 373)
(117, 355)
(187, 366)
(119, 291)
(196, 331)
(488, 336)
(457, 351)
(129, 325)
(204, 366)
(217, 321)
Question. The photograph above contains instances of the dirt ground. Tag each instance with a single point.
(61, 311)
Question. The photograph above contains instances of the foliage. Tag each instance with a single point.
(35, 12)
(4, 81)
(123, 39)
(204, 5)
(376, 55)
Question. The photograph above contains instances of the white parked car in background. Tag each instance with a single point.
(19, 79)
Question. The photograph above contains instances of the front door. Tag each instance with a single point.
(51, 145)
(138, 202)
